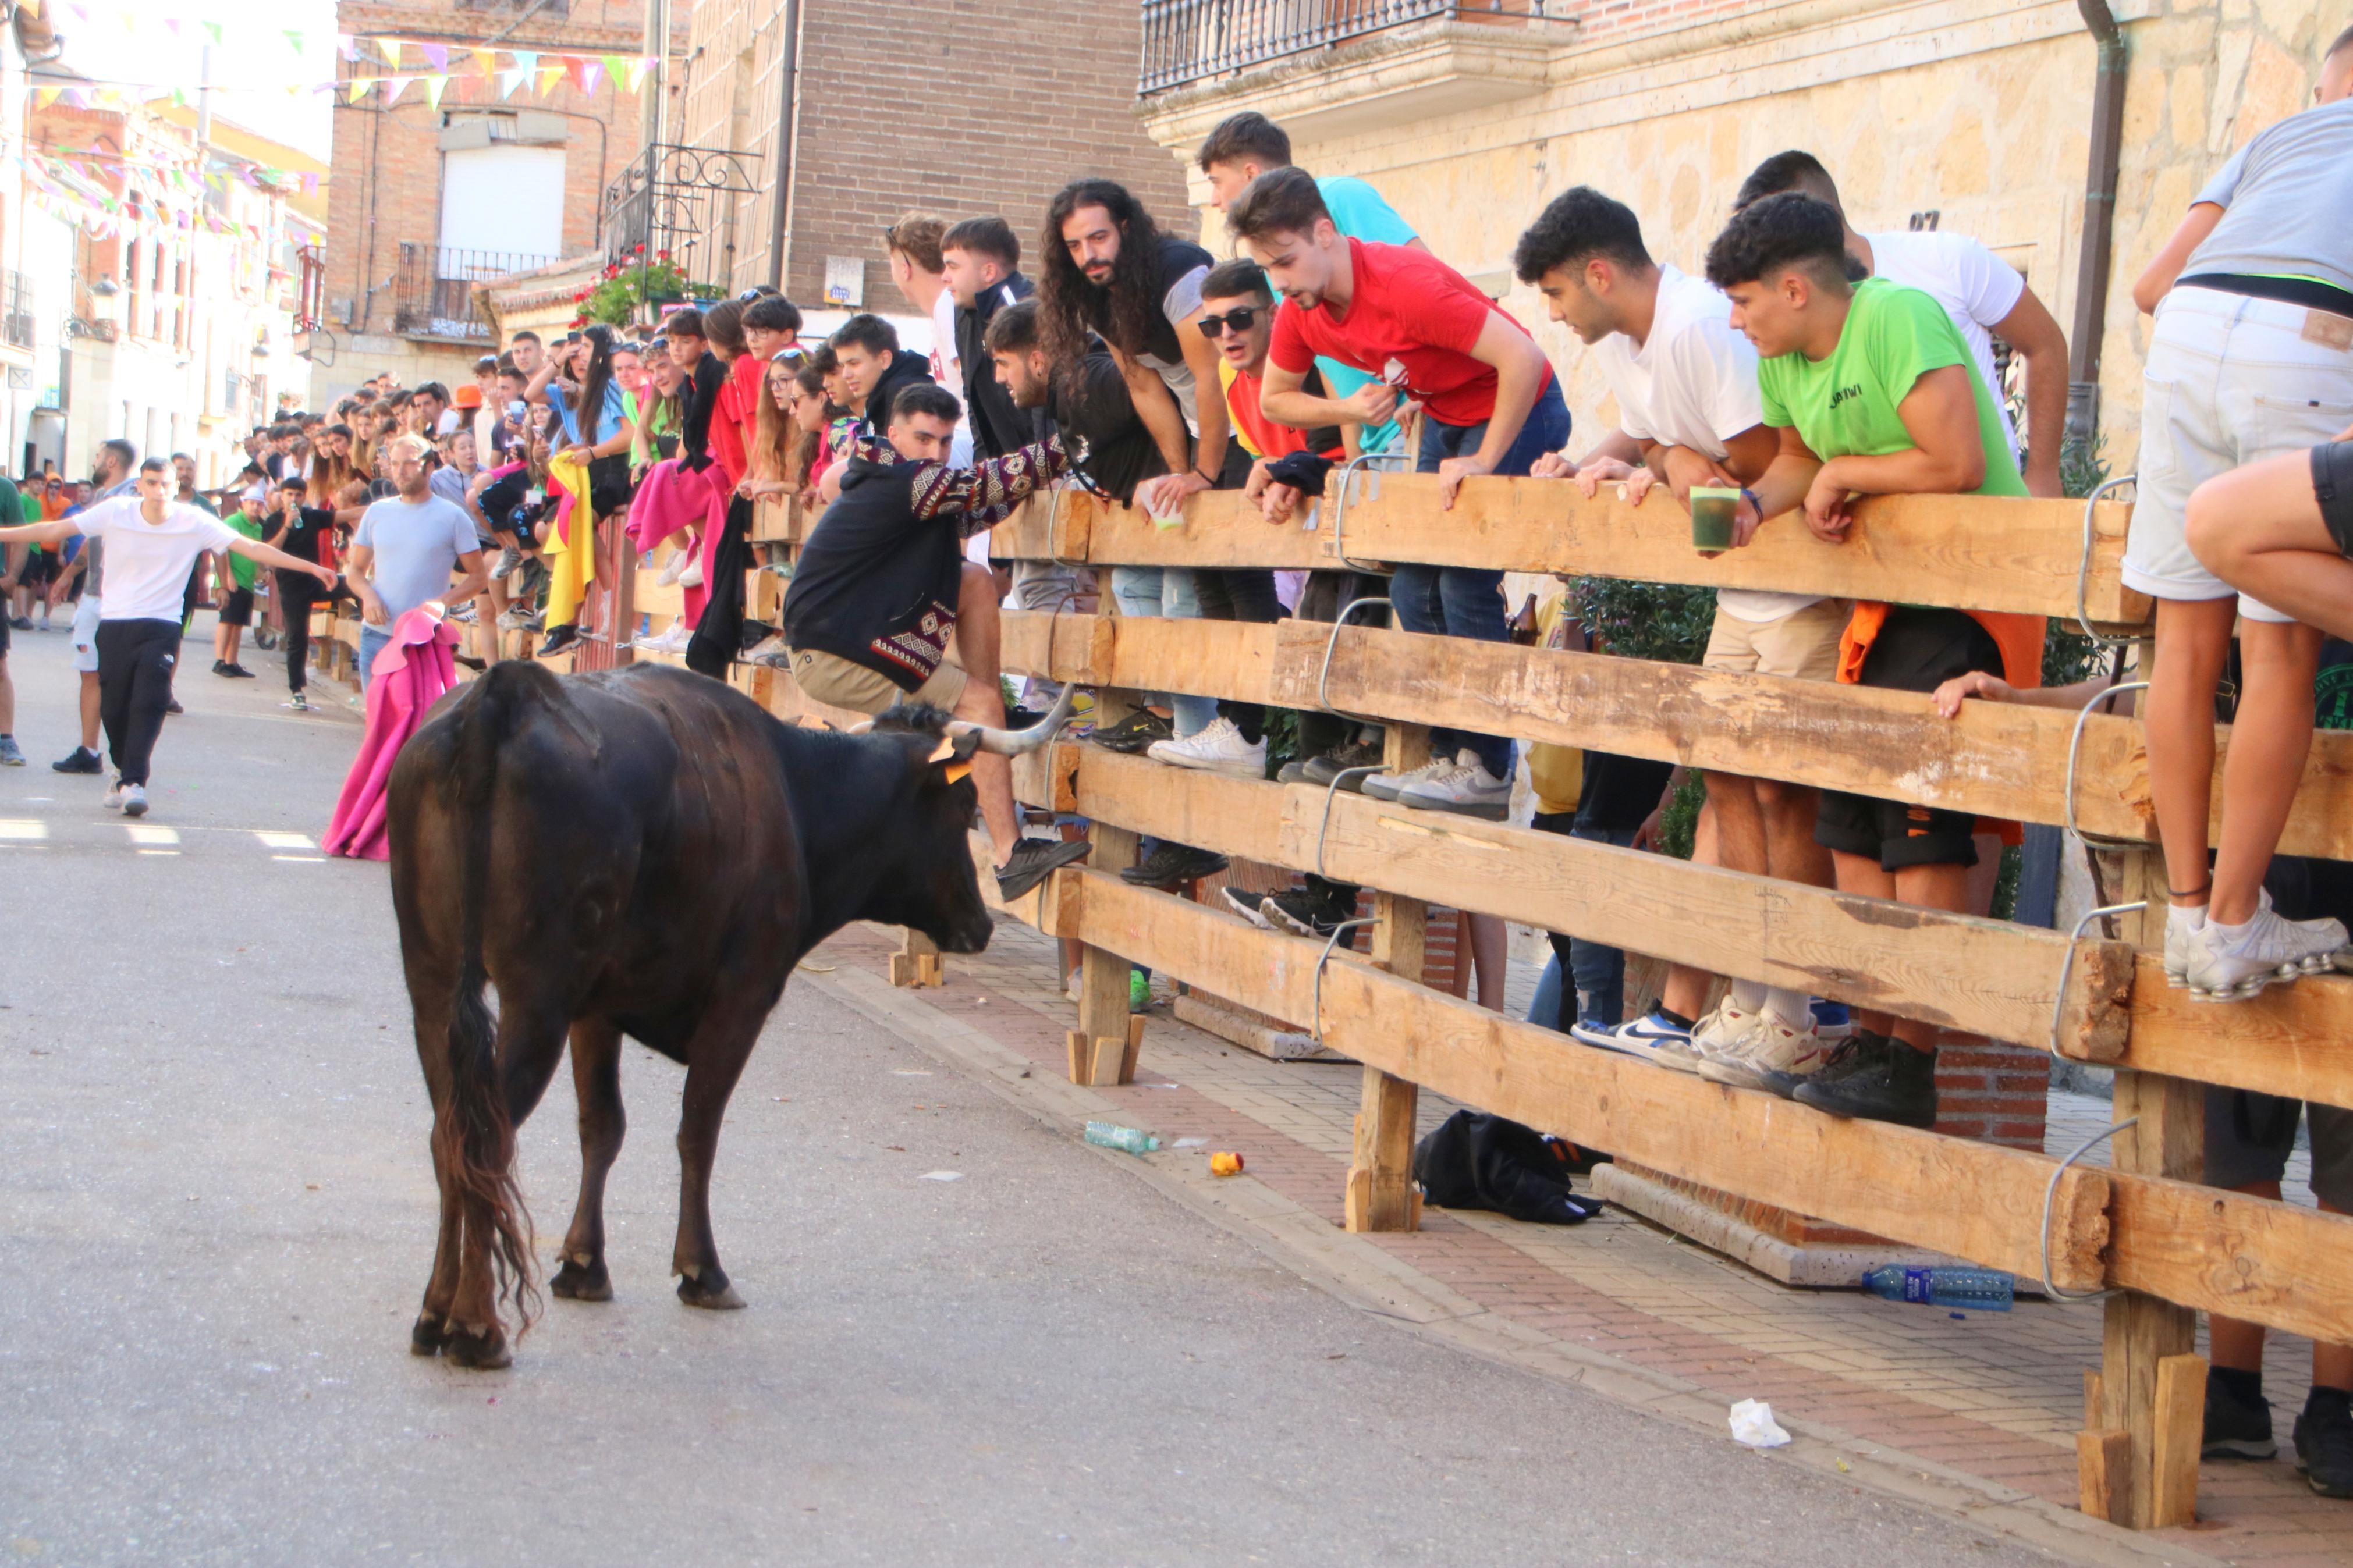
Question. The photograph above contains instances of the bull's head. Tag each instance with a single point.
(932, 887)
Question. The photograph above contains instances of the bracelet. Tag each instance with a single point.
(2205, 886)
(1750, 497)
(1208, 479)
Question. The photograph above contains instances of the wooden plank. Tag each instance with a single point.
(2289, 1041)
(1981, 976)
(2181, 1429)
(1381, 1191)
(2104, 1472)
(2001, 760)
(1976, 552)
(1870, 1175)
(1098, 1047)
(2221, 1251)
(775, 519)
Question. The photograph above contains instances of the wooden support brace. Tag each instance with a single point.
(1105, 1046)
(1381, 1194)
(917, 961)
(2143, 1335)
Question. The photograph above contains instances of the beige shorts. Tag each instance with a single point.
(1803, 644)
(832, 679)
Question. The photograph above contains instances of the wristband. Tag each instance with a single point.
(1208, 479)
(1750, 497)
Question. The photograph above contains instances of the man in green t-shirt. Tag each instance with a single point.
(1871, 392)
(233, 577)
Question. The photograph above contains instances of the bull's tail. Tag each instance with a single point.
(474, 1134)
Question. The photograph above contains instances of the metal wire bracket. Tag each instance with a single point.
(2051, 1193)
(1054, 528)
(2074, 754)
(1363, 463)
(1316, 1028)
(2067, 962)
(1324, 827)
(2083, 565)
(1324, 675)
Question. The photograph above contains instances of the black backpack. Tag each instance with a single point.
(1475, 1161)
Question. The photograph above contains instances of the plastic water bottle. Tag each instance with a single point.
(1983, 1290)
(1111, 1135)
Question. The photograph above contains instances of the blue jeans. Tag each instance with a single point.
(1464, 601)
(1597, 973)
(1166, 591)
(372, 641)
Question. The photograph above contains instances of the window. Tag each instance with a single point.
(503, 200)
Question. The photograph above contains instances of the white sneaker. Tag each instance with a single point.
(1388, 786)
(1724, 1034)
(692, 577)
(1219, 748)
(1775, 1045)
(2182, 924)
(674, 567)
(1652, 1038)
(134, 800)
(2230, 964)
(1467, 790)
(112, 798)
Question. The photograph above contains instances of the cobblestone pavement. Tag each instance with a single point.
(1989, 1401)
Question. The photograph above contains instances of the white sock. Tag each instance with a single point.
(1747, 996)
(1794, 1008)
(2193, 916)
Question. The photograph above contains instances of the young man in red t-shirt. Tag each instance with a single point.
(1490, 405)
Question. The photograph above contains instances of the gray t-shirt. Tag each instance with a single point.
(416, 546)
(2287, 201)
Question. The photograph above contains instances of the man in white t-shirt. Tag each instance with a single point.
(151, 544)
(1688, 413)
(917, 267)
(1985, 296)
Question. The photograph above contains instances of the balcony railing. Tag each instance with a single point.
(16, 326)
(1187, 40)
(433, 292)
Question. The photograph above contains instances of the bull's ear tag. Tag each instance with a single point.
(945, 751)
(956, 771)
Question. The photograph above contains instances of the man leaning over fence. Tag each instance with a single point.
(1873, 393)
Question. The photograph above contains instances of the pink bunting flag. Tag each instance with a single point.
(436, 55)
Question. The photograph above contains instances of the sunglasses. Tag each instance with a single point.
(1215, 327)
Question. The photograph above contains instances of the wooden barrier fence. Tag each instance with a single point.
(2142, 1227)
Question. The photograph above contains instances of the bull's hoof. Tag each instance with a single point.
(483, 1352)
(715, 1293)
(577, 1282)
(429, 1334)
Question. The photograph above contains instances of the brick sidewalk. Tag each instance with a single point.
(1996, 1396)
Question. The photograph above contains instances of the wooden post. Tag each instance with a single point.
(2146, 1389)
(917, 961)
(1381, 1194)
(1103, 1048)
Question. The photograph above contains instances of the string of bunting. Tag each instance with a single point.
(179, 175)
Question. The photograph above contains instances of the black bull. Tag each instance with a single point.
(642, 852)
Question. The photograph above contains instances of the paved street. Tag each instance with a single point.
(216, 1216)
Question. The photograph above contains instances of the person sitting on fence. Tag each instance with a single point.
(2250, 1136)
(2254, 345)
(1490, 402)
(881, 587)
(1873, 391)
(1689, 415)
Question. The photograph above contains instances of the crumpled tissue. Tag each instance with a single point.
(1753, 1425)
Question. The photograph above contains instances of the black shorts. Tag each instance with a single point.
(2332, 481)
(41, 570)
(1915, 650)
(237, 608)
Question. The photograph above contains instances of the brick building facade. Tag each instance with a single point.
(960, 109)
(426, 199)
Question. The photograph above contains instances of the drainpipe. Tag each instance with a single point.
(2099, 220)
(787, 67)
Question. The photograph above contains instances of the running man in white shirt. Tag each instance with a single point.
(151, 544)
(1689, 412)
(1985, 296)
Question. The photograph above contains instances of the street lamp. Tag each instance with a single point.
(105, 302)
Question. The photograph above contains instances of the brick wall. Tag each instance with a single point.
(1991, 1092)
(916, 106)
(386, 182)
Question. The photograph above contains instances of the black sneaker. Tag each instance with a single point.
(220, 666)
(1292, 772)
(82, 760)
(1322, 770)
(1131, 734)
(1173, 863)
(173, 707)
(239, 673)
(2324, 1442)
(1886, 1082)
(1840, 1062)
(558, 640)
(1250, 906)
(1302, 913)
(1033, 860)
(2238, 1425)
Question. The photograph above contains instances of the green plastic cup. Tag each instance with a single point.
(1712, 509)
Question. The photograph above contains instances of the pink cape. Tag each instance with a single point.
(672, 497)
(411, 673)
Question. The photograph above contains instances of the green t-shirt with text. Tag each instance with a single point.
(1845, 406)
(242, 570)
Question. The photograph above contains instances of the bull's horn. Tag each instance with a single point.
(1016, 742)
